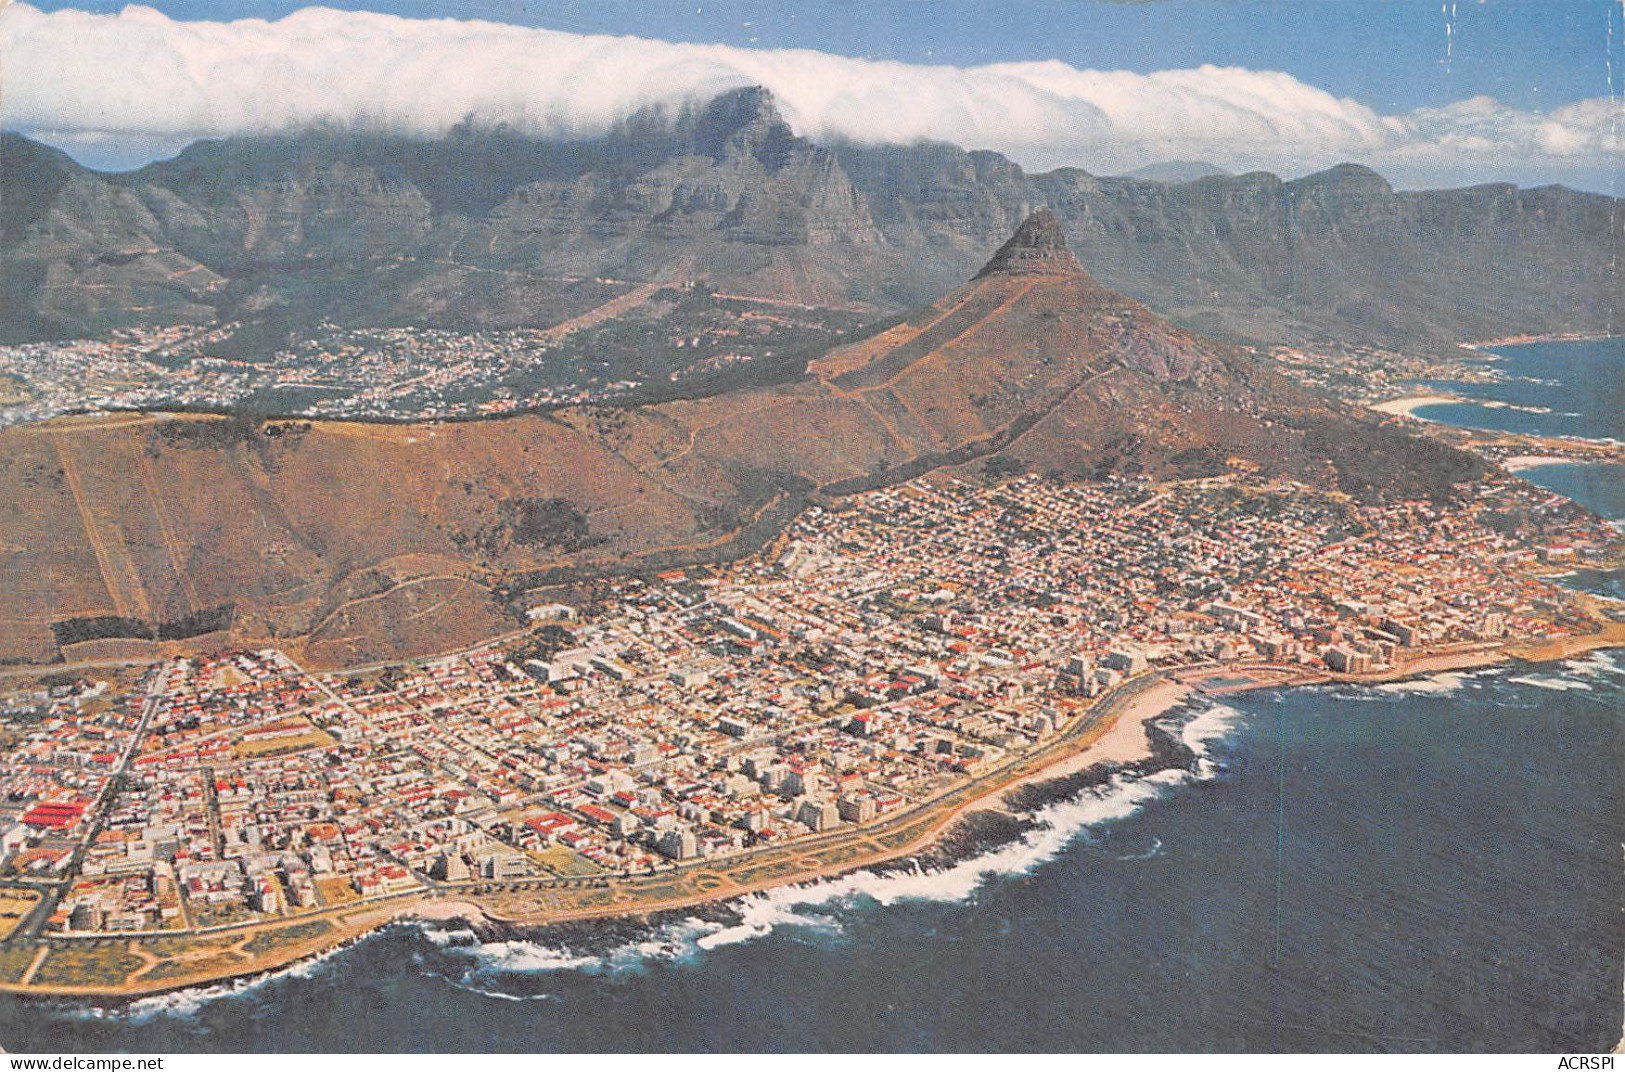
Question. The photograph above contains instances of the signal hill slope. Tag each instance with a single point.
(348, 543)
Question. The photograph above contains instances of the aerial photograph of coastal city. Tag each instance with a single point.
(774, 527)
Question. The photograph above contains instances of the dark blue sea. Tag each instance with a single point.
(1548, 388)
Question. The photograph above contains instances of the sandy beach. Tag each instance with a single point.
(1407, 406)
(1520, 462)
(1124, 741)
(1524, 340)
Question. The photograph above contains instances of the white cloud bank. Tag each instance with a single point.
(139, 77)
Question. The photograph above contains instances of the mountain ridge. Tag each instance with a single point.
(349, 543)
(727, 192)
(1176, 171)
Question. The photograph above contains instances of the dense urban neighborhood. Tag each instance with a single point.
(887, 649)
(650, 339)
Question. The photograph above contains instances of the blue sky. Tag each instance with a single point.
(1413, 62)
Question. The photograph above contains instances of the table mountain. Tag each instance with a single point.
(478, 229)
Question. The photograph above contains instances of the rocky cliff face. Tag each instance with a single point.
(1037, 248)
(352, 226)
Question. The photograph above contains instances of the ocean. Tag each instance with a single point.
(1597, 485)
(1433, 865)
(1574, 388)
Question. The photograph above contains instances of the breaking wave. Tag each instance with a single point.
(1154, 850)
(1442, 684)
(1598, 663)
(1496, 403)
(444, 938)
(1550, 682)
(1571, 677)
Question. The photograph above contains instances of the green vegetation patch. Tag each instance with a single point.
(588, 899)
(14, 960)
(175, 947)
(840, 854)
(767, 871)
(566, 863)
(14, 391)
(207, 434)
(297, 934)
(223, 964)
(528, 521)
(115, 627)
(87, 964)
(905, 835)
(664, 892)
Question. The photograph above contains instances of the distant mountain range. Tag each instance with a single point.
(1176, 171)
(482, 227)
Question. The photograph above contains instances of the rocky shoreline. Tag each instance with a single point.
(596, 935)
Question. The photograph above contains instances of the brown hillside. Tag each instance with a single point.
(360, 542)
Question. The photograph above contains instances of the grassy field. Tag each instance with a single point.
(179, 946)
(14, 905)
(87, 964)
(220, 964)
(566, 863)
(336, 890)
(269, 940)
(281, 746)
(14, 960)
